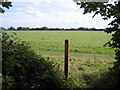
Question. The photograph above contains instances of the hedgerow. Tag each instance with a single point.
(23, 68)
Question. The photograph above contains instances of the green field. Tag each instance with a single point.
(88, 58)
(82, 43)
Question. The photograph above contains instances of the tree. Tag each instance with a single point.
(44, 28)
(4, 4)
(25, 28)
(19, 28)
(11, 28)
(108, 10)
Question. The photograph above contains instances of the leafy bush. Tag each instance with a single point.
(23, 68)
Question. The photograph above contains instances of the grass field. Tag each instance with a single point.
(82, 43)
(87, 54)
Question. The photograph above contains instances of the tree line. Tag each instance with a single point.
(46, 28)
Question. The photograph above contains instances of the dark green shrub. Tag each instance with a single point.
(23, 68)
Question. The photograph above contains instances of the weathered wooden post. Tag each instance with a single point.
(66, 58)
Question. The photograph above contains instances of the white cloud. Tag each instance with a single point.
(67, 4)
(34, 11)
(19, 9)
(51, 13)
(0, 19)
(48, 1)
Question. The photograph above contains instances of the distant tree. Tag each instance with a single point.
(11, 28)
(86, 28)
(92, 29)
(25, 28)
(32, 29)
(72, 29)
(108, 10)
(4, 4)
(81, 28)
(19, 28)
(44, 28)
(62, 28)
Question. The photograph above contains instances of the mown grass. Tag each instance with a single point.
(88, 58)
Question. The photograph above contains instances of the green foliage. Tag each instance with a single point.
(44, 28)
(2, 28)
(23, 28)
(54, 29)
(108, 10)
(11, 28)
(22, 68)
(5, 4)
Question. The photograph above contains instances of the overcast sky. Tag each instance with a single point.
(50, 13)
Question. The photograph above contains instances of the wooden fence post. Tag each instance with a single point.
(66, 58)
